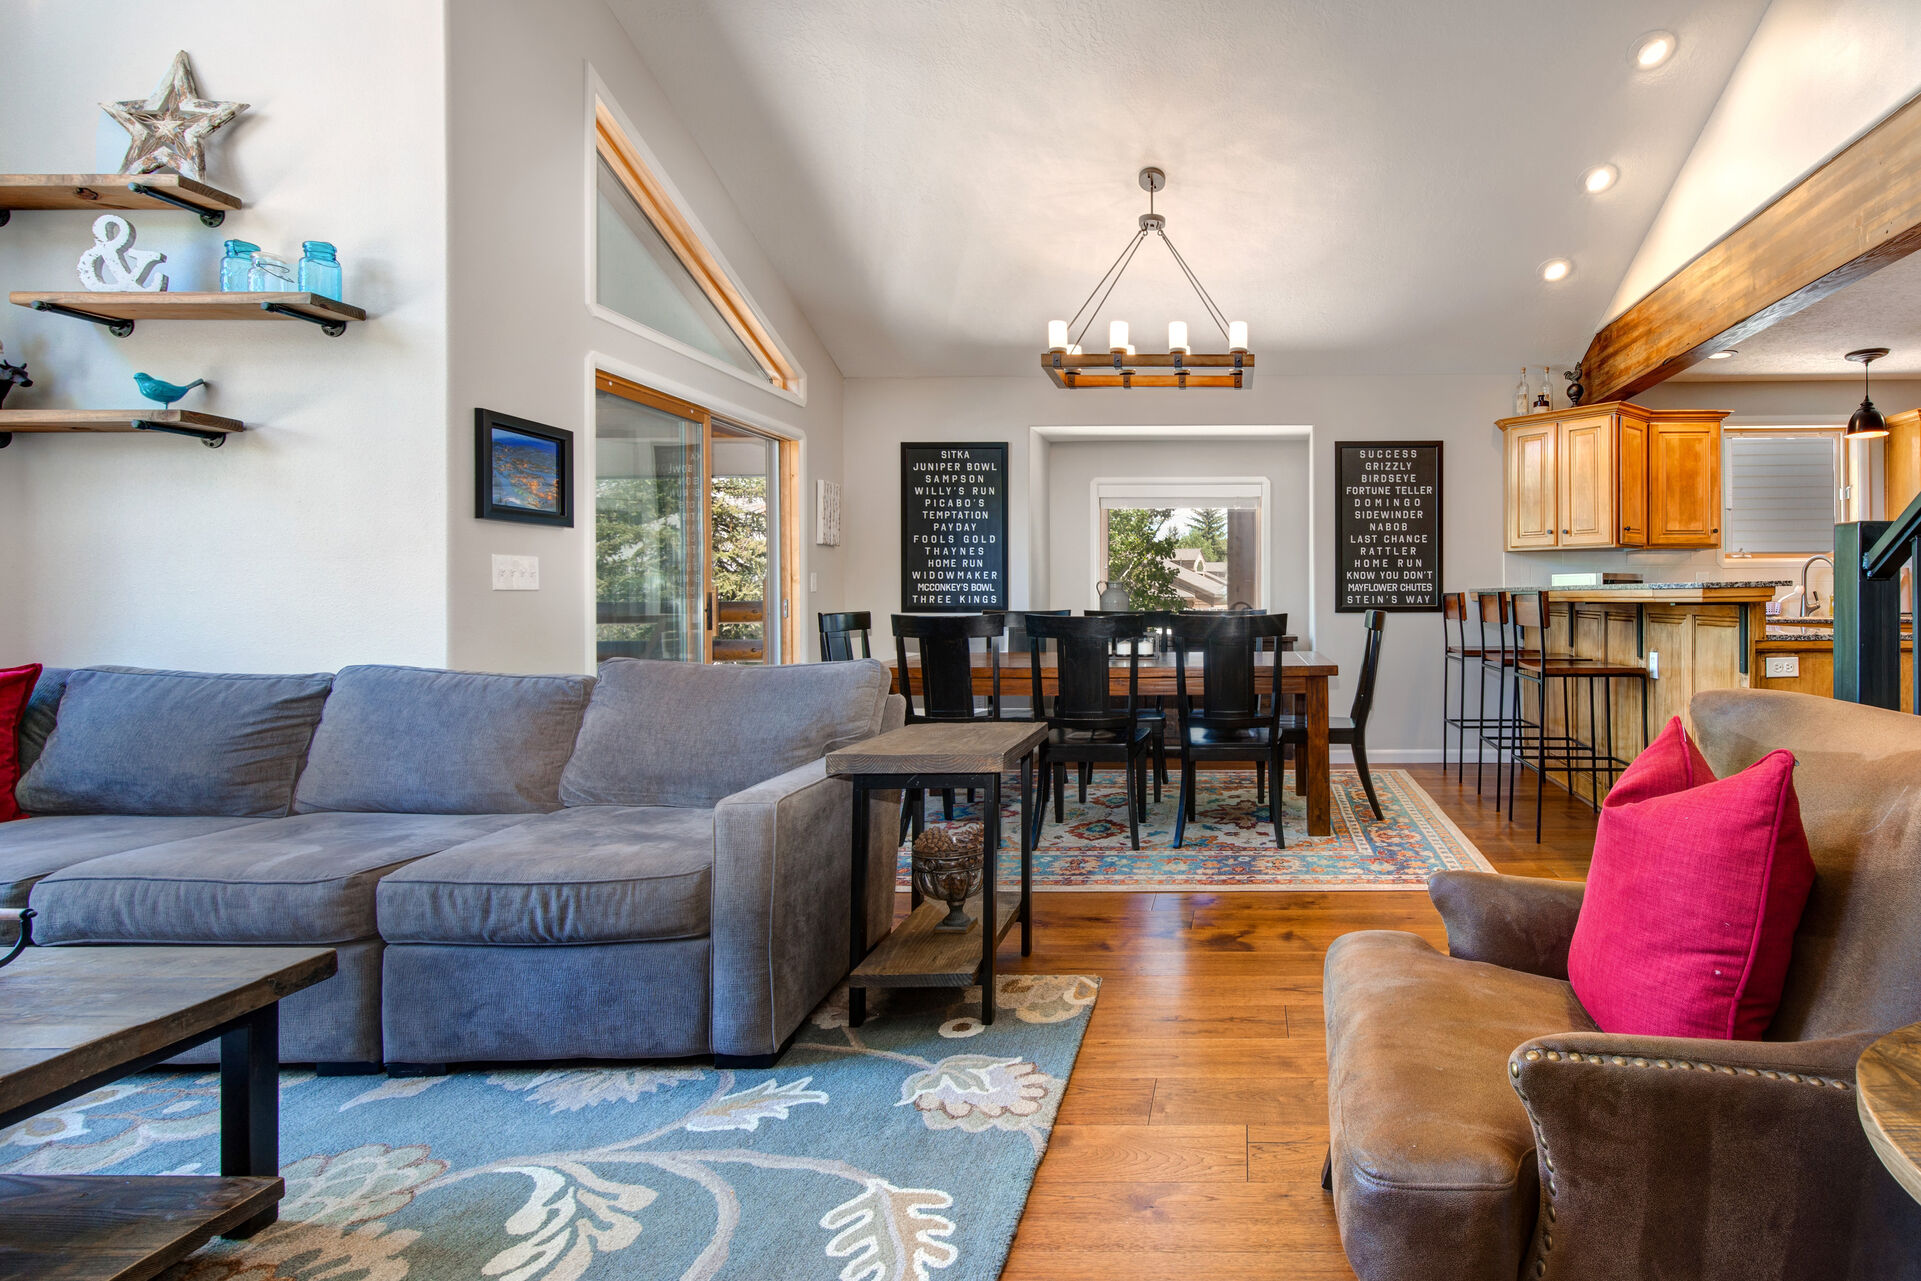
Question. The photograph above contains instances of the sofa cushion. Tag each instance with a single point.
(37, 724)
(591, 875)
(305, 879)
(414, 740)
(661, 733)
(16, 690)
(132, 741)
(1671, 763)
(1433, 1154)
(34, 847)
(1687, 923)
(41, 711)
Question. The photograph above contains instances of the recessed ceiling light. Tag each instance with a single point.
(1653, 49)
(1723, 354)
(1556, 269)
(1599, 179)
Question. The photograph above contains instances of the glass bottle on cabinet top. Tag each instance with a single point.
(1544, 401)
(270, 275)
(319, 269)
(236, 261)
(1520, 393)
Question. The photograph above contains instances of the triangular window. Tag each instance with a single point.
(652, 267)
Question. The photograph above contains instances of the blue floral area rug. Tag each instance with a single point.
(1229, 843)
(890, 1152)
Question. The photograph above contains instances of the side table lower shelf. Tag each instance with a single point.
(918, 955)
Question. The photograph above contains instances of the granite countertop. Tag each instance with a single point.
(1648, 587)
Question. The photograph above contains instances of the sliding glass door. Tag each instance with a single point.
(693, 536)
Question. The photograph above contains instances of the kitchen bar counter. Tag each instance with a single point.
(1690, 636)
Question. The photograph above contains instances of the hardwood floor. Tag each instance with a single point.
(1190, 1141)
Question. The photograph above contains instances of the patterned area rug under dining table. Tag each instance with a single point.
(890, 1152)
(1229, 842)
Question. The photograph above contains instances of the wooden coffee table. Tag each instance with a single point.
(73, 1019)
(932, 756)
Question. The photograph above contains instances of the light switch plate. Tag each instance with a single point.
(1783, 665)
(1654, 665)
(516, 573)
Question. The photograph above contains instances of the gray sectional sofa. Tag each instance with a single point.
(648, 864)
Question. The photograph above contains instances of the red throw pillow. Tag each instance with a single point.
(1687, 924)
(16, 687)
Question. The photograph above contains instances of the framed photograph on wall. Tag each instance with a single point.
(523, 471)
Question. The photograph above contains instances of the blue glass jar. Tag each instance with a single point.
(319, 270)
(235, 262)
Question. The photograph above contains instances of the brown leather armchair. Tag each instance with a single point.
(1482, 1129)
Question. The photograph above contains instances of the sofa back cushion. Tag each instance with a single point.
(132, 741)
(42, 709)
(415, 740)
(661, 733)
(1857, 953)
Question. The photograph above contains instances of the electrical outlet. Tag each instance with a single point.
(1654, 665)
(1783, 665)
(516, 573)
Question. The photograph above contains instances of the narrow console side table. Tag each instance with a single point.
(934, 756)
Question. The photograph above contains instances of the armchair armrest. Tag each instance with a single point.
(1517, 922)
(1706, 1159)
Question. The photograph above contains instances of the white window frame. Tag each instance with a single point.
(1840, 487)
(1191, 491)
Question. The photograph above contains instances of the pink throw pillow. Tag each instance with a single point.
(1687, 924)
(16, 688)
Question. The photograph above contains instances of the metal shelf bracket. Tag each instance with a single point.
(331, 328)
(112, 324)
(211, 439)
(209, 217)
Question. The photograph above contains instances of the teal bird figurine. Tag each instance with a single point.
(164, 393)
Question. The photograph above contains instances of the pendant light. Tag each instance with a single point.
(1867, 422)
(1122, 366)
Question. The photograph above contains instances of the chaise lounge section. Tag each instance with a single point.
(509, 867)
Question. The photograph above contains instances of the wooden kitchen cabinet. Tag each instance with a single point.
(1612, 475)
(1684, 480)
(1532, 486)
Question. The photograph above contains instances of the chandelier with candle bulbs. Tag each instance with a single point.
(1070, 365)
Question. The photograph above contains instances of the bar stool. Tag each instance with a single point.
(1456, 652)
(1566, 751)
(1497, 657)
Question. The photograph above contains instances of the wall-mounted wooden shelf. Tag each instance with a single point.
(113, 191)
(209, 429)
(118, 311)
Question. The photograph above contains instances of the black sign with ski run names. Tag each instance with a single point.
(1387, 525)
(953, 528)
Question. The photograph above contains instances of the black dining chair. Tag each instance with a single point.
(1232, 723)
(1350, 730)
(837, 633)
(1084, 724)
(1154, 714)
(946, 674)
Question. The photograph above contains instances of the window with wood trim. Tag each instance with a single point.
(1783, 490)
(652, 267)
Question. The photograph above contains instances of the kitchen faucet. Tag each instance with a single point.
(1808, 607)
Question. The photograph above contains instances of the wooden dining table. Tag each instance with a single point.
(1302, 672)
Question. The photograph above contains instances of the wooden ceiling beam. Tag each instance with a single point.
(1852, 216)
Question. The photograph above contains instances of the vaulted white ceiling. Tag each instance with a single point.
(1371, 184)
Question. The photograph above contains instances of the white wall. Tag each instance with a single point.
(524, 339)
(1073, 467)
(1816, 73)
(318, 538)
(1460, 410)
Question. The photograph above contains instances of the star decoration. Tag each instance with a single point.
(171, 127)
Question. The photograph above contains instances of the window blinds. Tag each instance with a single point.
(1780, 494)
